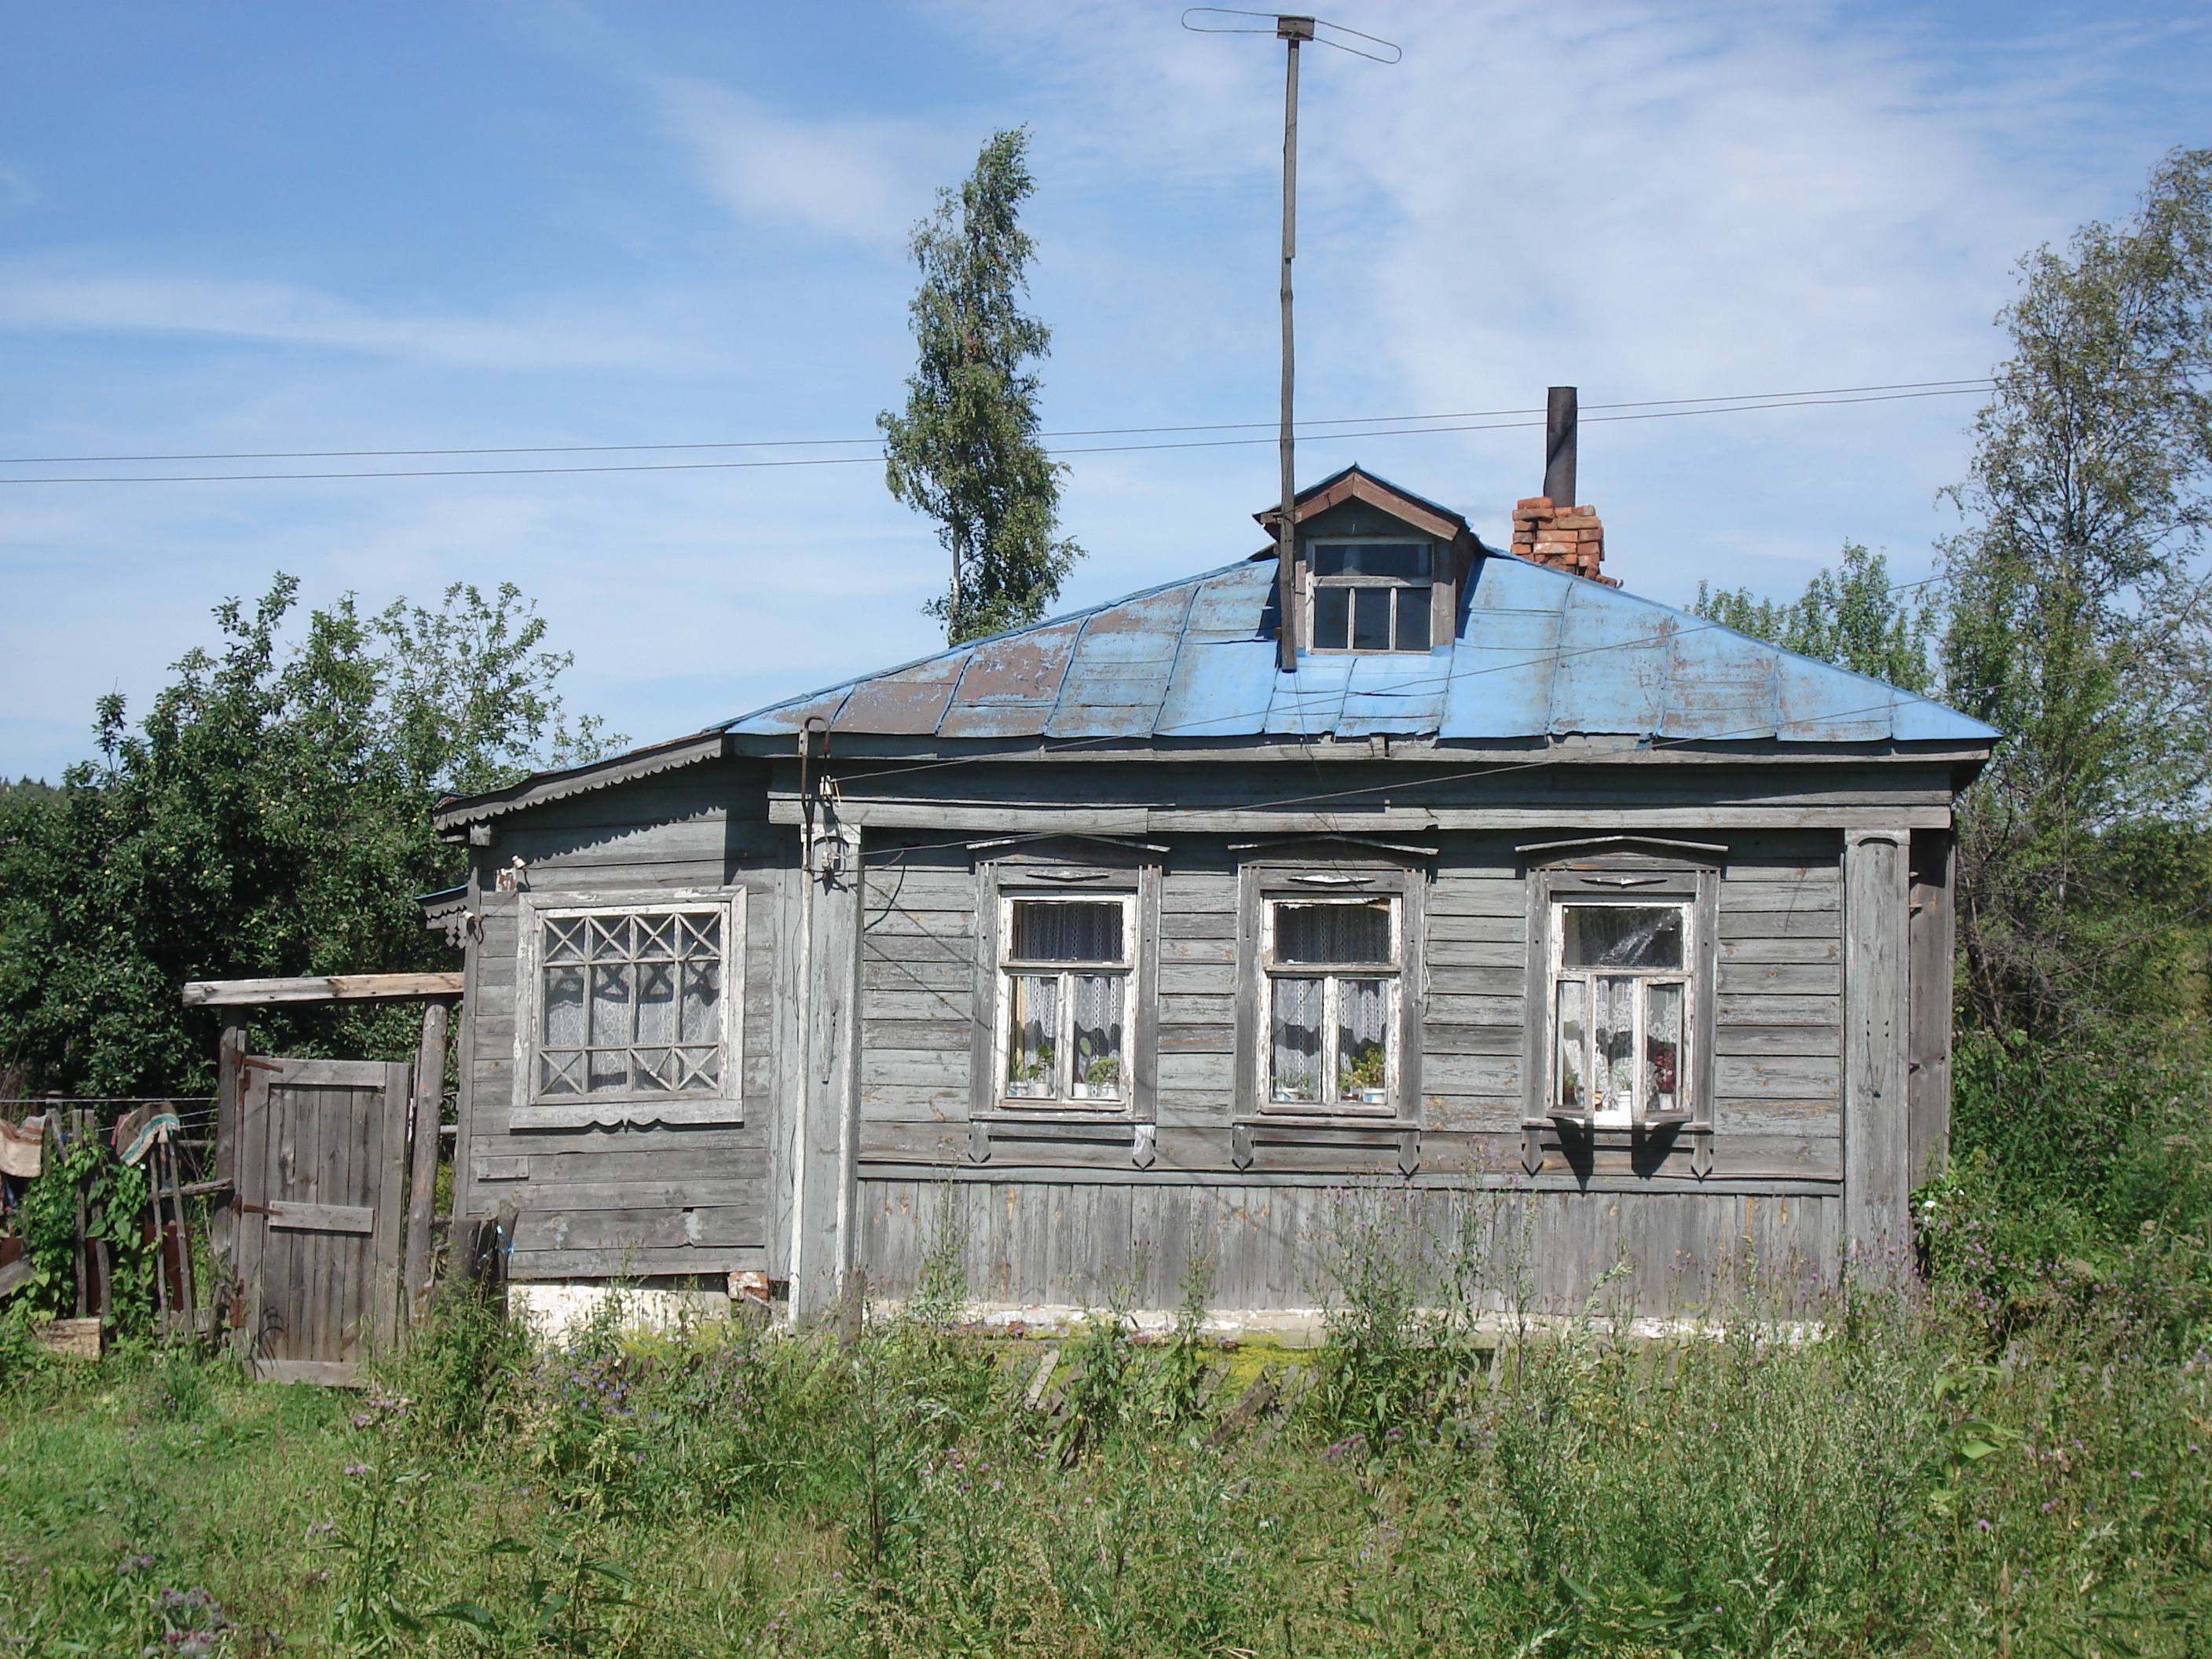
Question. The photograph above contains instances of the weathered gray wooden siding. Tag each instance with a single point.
(1053, 1229)
(1276, 1245)
(917, 997)
(1478, 916)
(1778, 1031)
(639, 1198)
(1197, 1065)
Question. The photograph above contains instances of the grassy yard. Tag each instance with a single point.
(1893, 1487)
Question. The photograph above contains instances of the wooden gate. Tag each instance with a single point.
(322, 1149)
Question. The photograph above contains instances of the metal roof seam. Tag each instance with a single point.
(1175, 657)
(969, 647)
(1066, 672)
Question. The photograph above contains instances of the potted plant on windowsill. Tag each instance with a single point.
(1030, 1078)
(1101, 1075)
(1365, 1077)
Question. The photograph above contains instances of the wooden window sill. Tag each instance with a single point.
(1582, 1125)
(614, 1114)
(1108, 1115)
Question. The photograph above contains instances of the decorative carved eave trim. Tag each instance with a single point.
(451, 816)
(1561, 851)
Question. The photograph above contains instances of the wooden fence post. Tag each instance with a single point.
(223, 1219)
(429, 1092)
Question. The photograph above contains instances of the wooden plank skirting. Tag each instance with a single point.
(1793, 1185)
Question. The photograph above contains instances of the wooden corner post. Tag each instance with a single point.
(825, 1128)
(1877, 914)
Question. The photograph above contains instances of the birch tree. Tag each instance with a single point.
(966, 450)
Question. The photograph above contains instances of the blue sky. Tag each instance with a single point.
(229, 228)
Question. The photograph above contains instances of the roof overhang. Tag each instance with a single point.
(453, 815)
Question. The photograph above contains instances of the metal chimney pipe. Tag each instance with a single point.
(1559, 447)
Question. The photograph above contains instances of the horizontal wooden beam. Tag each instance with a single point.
(332, 988)
(1022, 819)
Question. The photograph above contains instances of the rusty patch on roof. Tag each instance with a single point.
(789, 717)
(912, 700)
(1017, 668)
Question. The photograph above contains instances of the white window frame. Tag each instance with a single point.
(1329, 1103)
(1010, 967)
(1314, 583)
(1601, 1115)
(533, 1111)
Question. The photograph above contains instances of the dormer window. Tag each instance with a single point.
(1371, 595)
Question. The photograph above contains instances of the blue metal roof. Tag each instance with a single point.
(1538, 653)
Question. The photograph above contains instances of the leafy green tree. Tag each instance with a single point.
(2079, 624)
(1852, 617)
(966, 450)
(270, 816)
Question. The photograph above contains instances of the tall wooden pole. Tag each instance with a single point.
(1291, 30)
(430, 1092)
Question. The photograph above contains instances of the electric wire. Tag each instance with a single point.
(1381, 426)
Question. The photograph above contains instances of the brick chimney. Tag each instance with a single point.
(1570, 539)
(1565, 538)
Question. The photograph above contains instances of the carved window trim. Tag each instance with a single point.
(1065, 867)
(1621, 870)
(531, 1109)
(1305, 869)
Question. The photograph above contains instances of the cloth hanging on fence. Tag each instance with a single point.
(136, 1131)
(22, 1146)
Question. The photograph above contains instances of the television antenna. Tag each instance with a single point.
(1294, 32)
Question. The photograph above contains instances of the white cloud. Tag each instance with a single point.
(48, 296)
(860, 179)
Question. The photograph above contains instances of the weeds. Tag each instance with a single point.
(1888, 1485)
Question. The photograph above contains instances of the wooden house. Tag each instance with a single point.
(1066, 942)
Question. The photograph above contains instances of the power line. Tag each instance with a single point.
(1081, 432)
(1771, 401)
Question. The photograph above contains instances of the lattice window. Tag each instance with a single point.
(631, 1003)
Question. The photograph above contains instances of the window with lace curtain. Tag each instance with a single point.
(1620, 1013)
(1332, 983)
(628, 1013)
(1063, 984)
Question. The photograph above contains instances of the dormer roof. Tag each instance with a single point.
(1356, 484)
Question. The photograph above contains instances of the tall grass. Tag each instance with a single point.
(1881, 1481)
